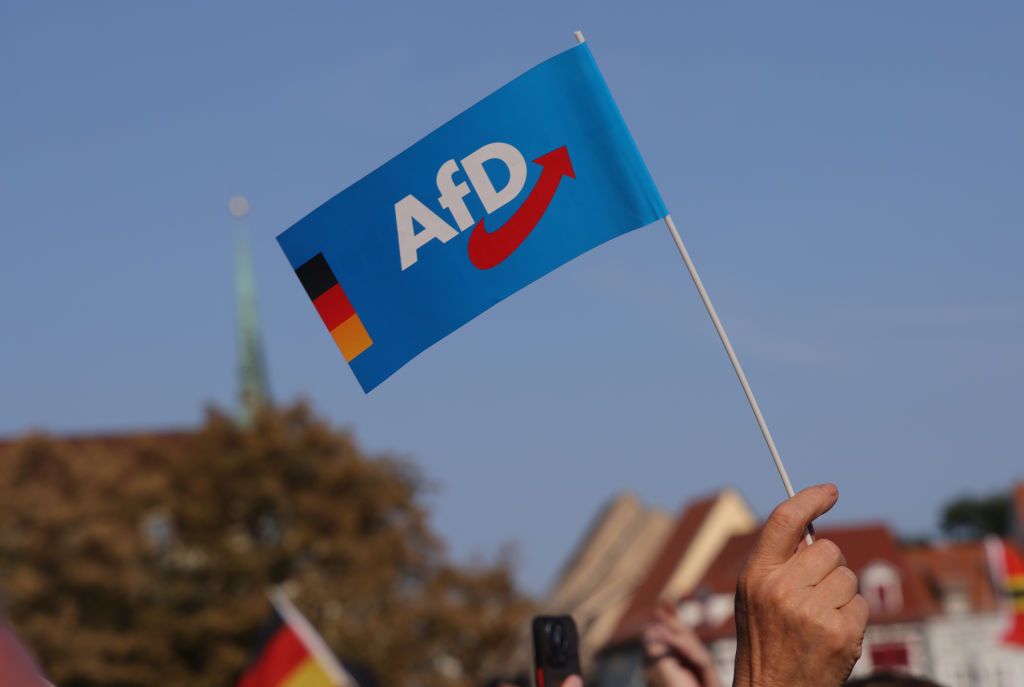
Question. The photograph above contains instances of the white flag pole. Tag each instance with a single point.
(311, 638)
(692, 269)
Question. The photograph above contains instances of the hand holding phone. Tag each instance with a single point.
(555, 650)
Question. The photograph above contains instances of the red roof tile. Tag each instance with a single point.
(103, 439)
(724, 571)
(862, 545)
(955, 567)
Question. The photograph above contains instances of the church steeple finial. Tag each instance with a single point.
(253, 389)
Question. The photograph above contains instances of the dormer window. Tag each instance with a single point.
(882, 588)
(955, 600)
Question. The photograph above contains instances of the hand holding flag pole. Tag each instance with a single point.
(713, 314)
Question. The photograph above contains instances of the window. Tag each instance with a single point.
(882, 588)
(891, 655)
(955, 600)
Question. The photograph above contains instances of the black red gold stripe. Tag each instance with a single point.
(334, 307)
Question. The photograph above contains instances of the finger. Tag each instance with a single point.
(684, 642)
(856, 612)
(814, 563)
(838, 588)
(667, 613)
(654, 641)
(676, 630)
(573, 681)
(687, 646)
(787, 523)
(666, 605)
(666, 609)
(668, 616)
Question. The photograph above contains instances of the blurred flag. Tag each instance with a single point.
(1007, 565)
(290, 653)
(533, 175)
(17, 666)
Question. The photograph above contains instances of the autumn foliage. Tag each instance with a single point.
(143, 559)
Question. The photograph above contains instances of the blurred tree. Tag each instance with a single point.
(143, 560)
(970, 517)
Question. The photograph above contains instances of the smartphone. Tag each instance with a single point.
(555, 650)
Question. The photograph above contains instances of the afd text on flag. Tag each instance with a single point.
(535, 174)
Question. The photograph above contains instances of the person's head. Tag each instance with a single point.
(508, 682)
(891, 680)
(362, 675)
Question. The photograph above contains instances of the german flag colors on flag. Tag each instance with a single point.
(290, 653)
(335, 310)
(1008, 567)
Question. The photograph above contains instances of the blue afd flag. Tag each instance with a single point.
(532, 176)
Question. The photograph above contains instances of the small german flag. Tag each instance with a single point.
(290, 653)
(334, 307)
(1008, 567)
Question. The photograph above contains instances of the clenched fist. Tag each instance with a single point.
(799, 619)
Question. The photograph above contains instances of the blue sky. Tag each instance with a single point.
(848, 179)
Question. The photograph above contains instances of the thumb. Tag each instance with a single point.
(786, 525)
(573, 681)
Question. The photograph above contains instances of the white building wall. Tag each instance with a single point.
(724, 654)
(965, 651)
(910, 634)
(954, 651)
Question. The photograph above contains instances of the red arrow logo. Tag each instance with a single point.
(490, 248)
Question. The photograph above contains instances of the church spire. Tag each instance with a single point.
(253, 389)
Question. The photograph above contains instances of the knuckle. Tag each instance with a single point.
(863, 610)
(845, 581)
(851, 578)
(824, 554)
(829, 550)
(809, 617)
